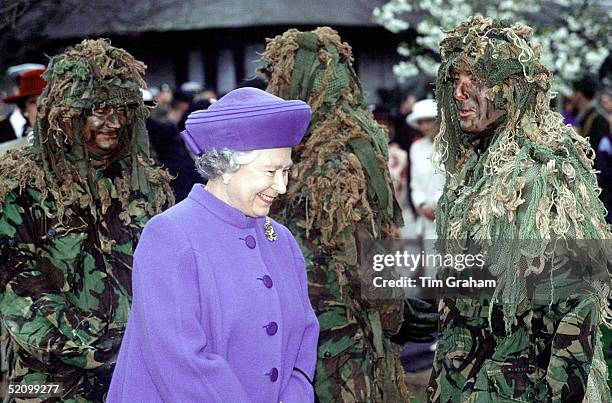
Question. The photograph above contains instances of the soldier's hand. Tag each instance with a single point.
(420, 322)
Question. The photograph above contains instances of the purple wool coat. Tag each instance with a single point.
(219, 313)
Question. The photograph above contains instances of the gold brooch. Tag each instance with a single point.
(269, 231)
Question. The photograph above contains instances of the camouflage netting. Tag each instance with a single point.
(339, 195)
(92, 74)
(316, 67)
(535, 180)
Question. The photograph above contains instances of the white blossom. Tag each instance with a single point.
(596, 57)
(404, 70)
(427, 65)
(403, 50)
(573, 44)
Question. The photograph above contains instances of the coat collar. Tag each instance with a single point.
(224, 211)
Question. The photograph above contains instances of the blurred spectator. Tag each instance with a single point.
(383, 117)
(178, 106)
(604, 165)
(14, 72)
(591, 123)
(208, 94)
(169, 150)
(193, 106)
(427, 176)
(191, 88)
(163, 98)
(405, 136)
(154, 91)
(255, 82)
(606, 104)
(398, 158)
(569, 112)
(604, 155)
(18, 124)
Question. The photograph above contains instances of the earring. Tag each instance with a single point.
(226, 179)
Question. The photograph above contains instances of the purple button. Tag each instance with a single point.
(267, 280)
(271, 328)
(250, 241)
(273, 374)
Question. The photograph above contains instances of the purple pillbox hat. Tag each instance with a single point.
(247, 119)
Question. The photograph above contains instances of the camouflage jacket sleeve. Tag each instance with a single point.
(33, 308)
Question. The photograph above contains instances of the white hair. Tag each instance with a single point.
(215, 163)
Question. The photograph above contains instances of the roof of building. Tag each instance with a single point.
(113, 17)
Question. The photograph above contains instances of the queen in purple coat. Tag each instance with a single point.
(220, 301)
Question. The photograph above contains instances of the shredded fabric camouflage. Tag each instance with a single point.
(534, 181)
(69, 223)
(339, 196)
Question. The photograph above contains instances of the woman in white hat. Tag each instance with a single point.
(426, 175)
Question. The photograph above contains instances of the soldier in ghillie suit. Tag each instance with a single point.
(520, 187)
(340, 196)
(73, 207)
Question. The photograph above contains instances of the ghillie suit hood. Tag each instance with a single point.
(91, 74)
(340, 192)
(317, 67)
(533, 188)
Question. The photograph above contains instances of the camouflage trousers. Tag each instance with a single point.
(547, 357)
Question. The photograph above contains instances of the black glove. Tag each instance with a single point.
(420, 322)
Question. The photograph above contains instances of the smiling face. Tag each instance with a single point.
(254, 187)
(103, 129)
(475, 111)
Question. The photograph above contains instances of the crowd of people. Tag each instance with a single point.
(417, 178)
(179, 246)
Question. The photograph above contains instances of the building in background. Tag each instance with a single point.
(217, 43)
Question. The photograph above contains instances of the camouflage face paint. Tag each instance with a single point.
(475, 112)
(103, 129)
